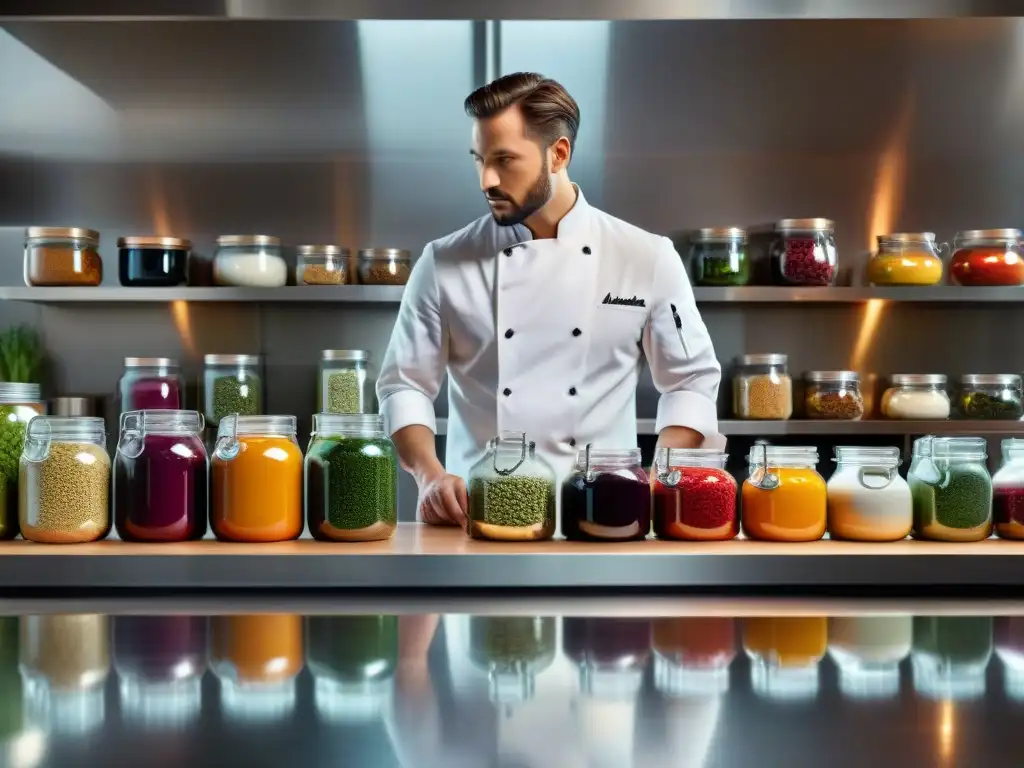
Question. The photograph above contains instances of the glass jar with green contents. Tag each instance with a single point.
(950, 655)
(951, 489)
(511, 492)
(351, 479)
(232, 384)
(990, 396)
(11, 706)
(513, 650)
(353, 661)
(718, 256)
(18, 404)
(346, 385)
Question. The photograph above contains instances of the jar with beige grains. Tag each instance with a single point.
(62, 256)
(762, 387)
(384, 266)
(322, 265)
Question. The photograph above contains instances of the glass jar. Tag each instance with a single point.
(951, 488)
(694, 497)
(784, 498)
(986, 396)
(161, 470)
(346, 385)
(151, 384)
(232, 384)
(868, 651)
(1009, 636)
(906, 258)
(351, 479)
(12, 720)
(251, 261)
(64, 485)
(1008, 491)
(692, 655)
(256, 492)
(986, 257)
(607, 497)
(257, 658)
(160, 663)
(353, 660)
(867, 498)
(65, 661)
(804, 252)
(19, 403)
(322, 265)
(784, 653)
(718, 257)
(511, 492)
(512, 650)
(916, 396)
(62, 256)
(762, 388)
(153, 261)
(384, 266)
(833, 395)
(951, 655)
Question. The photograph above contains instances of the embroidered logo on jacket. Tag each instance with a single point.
(634, 302)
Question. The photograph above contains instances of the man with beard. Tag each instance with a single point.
(538, 313)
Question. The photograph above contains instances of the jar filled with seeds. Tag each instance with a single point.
(804, 252)
(322, 265)
(512, 650)
(384, 266)
(19, 404)
(62, 256)
(718, 257)
(511, 492)
(151, 384)
(986, 396)
(833, 395)
(345, 384)
(694, 497)
(64, 484)
(351, 479)
(951, 489)
(232, 384)
(762, 388)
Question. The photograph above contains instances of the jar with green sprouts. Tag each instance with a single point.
(345, 384)
(951, 489)
(511, 492)
(232, 384)
(18, 404)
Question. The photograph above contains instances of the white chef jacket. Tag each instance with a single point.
(544, 337)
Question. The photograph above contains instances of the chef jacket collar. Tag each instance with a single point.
(575, 225)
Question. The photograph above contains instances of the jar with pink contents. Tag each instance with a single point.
(804, 252)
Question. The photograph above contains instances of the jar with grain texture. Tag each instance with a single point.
(62, 256)
(232, 384)
(833, 395)
(951, 489)
(322, 265)
(346, 383)
(384, 266)
(762, 387)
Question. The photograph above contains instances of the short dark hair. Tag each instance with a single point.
(548, 109)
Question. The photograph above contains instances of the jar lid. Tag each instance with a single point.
(719, 233)
(265, 425)
(608, 458)
(150, 362)
(804, 225)
(783, 453)
(71, 406)
(909, 379)
(232, 359)
(951, 447)
(860, 454)
(828, 377)
(347, 423)
(991, 379)
(767, 359)
(322, 250)
(907, 237)
(66, 427)
(153, 241)
(345, 355)
(160, 421)
(989, 234)
(14, 393)
(383, 254)
(233, 240)
(63, 233)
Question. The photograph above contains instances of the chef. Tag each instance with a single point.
(538, 313)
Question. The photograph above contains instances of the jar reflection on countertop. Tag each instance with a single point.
(692, 654)
(11, 704)
(868, 651)
(1009, 643)
(19, 403)
(718, 257)
(512, 650)
(65, 660)
(804, 252)
(607, 497)
(153, 261)
(62, 256)
(784, 655)
(951, 655)
(906, 258)
(988, 257)
(784, 498)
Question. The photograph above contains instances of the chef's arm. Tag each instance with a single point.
(681, 357)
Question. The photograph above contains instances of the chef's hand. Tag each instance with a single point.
(443, 500)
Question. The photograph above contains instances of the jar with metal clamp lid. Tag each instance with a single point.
(784, 498)
(951, 488)
(867, 498)
(607, 497)
(694, 497)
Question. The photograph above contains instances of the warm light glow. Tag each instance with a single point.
(873, 311)
(946, 730)
(183, 324)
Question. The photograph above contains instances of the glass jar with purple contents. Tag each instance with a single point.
(804, 252)
(160, 661)
(611, 654)
(151, 383)
(161, 477)
(607, 497)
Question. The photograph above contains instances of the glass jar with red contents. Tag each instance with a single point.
(804, 252)
(607, 497)
(987, 257)
(692, 654)
(694, 497)
(1009, 631)
(1008, 491)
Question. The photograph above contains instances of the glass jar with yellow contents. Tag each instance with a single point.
(906, 258)
(784, 498)
(784, 653)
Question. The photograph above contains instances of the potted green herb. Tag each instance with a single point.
(21, 356)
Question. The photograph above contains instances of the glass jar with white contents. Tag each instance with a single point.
(916, 396)
(867, 498)
(251, 261)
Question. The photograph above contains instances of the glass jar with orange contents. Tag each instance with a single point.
(784, 498)
(692, 654)
(784, 654)
(984, 257)
(257, 658)
(257, 479)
